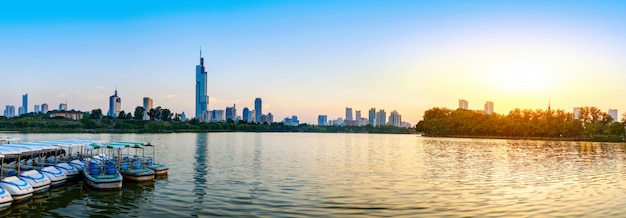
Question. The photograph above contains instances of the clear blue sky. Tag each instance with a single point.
(308, 58)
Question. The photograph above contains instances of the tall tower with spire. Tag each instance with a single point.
(115, 104)
(202, 99)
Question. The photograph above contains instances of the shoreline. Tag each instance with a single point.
(575, 139)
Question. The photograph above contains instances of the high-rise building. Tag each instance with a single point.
(258, 109)
(147, 105)
(577, 112)
(348, 114)
(63, 107)
(381, 118)
(372, 117)
(44, 108)
(245, 114)
(231, 112)
(463, 104)
(395, 119)
(9, 111)
(20, 110)
(357, 115)
(36, 109)
(202, 99)
(613, 114)
(489, 107)
(270, 118)
(322, 120)
(217, 115)
(115, 105)
(24, 104)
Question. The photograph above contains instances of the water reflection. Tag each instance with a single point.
(200, 169)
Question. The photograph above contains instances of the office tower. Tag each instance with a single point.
(381, 118)
(63, 107)
(24, 104)
(258, 109)
(20, 110)
(463, 104)
(322, 120)
(270, 118)
(577, 112)
(245, 115)
(115, 105)
(202, 99)
(183, 117)
(613, 114)
(372, 117)
(294, 120)
(395, 119)
(9, 111)
(147, 105)
(488, 107)
(36, 109)
(348, 114)
(44, 108)
(231, 112)
(357, 115)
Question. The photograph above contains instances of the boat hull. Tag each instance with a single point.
(37, 180)
(138, 175)
(19, 189)
(5, 199)
(159, 169)
(56, 176)
(104, 182)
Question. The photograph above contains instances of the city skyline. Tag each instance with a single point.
(312, 58)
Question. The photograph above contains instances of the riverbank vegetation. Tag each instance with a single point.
(162, 121)
(592, 124)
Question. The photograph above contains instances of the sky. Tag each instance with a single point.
(310, 58)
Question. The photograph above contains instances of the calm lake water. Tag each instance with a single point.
(338, 175)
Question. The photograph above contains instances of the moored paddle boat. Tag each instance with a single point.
(101, 172)
(133, 168)
(149, 162)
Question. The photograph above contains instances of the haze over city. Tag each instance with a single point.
(308, 58)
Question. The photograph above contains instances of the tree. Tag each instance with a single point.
(166, 115)
(121, 115)
(129, 116)
(139, 112)
(96, 114)
(88, 123)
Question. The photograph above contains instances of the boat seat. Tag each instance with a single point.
(110, 170)
(149, 161)
(94, 171)
(124, 166)
(137, 164)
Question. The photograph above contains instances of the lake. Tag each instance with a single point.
(339, 175)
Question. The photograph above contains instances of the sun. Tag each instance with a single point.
(521, 79)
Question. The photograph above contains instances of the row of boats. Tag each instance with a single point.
(33, 167)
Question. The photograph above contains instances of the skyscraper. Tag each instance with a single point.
(613, 114)
(381, 118)
(357, 115)
(9, 111)
(395, 119)
(372, 117)
(489, 107)
(322, 120)
(202, 99)
(147, 105)
(348, 114)
(24, 104)
(63, 107)
(44, 108)
(36, 109)
(463, 104)
(231, 112)
(115, 105)
(245, 115)
(258, 109)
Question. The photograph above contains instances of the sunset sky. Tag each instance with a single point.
(308, 58)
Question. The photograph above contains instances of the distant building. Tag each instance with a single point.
(73, 115)
(115, 105)
(270, 118)
(44, 108)
(183, 117)
(36, 109)
(24, 104)
(20, 110)
(231, 113)
(322, 120)
(357, 115)
(258, 109)
(576, 112)
(463, 104)
(245, 114)
(217, 115)
(489, 107)
(613, 114)
(372, 117)
(348, 114)
(406, 125)
(9, 111)
(395, 119)
(381, 118)
(293, 121)
(147, 105)
(202, 99)
(63, 107)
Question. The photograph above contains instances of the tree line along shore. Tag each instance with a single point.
(591, 125)
(162, 121)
